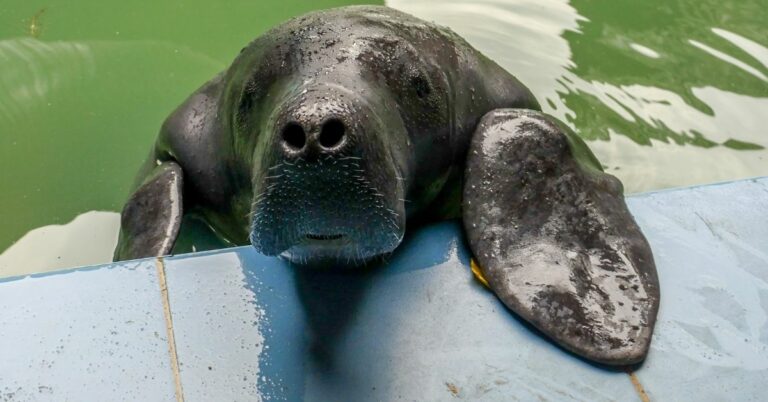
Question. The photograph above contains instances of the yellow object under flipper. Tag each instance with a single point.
(476, 271)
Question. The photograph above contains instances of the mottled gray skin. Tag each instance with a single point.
(331, 131)
(555, 240)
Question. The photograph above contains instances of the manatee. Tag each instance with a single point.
(332, 132)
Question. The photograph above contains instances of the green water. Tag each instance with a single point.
(669, 93)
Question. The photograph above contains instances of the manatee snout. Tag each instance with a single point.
(333, 190)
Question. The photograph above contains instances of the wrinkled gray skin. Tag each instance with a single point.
(554, 238)
(332, 130)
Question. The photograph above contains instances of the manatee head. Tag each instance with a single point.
(334, 122)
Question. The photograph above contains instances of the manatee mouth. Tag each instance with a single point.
(312, 236)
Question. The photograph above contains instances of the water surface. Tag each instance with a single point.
(668, 93)
(84, 87)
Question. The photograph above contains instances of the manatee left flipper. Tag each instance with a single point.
(555, 240)
(152, 216)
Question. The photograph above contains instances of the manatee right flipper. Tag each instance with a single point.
(555, 240)
(151, 218)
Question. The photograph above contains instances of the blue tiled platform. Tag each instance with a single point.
(235, 325)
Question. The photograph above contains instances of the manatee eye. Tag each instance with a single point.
(421, 86)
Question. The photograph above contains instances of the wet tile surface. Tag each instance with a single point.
(94, 334)
(419, 328)
(711, 249)
(248, 327)
(217, 327)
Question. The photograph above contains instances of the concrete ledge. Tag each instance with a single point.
(235, 325)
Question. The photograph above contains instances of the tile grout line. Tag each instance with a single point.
(169, 329)
(638, 387)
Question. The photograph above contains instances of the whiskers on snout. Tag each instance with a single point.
(312, 236)
(341, 258)
(326, 213)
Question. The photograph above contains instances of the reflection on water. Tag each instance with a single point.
(524, 37)
(76, 126)
(671, 93)
(33, 69)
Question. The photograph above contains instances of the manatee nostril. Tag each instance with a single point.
(293, 136)
(332, 133)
